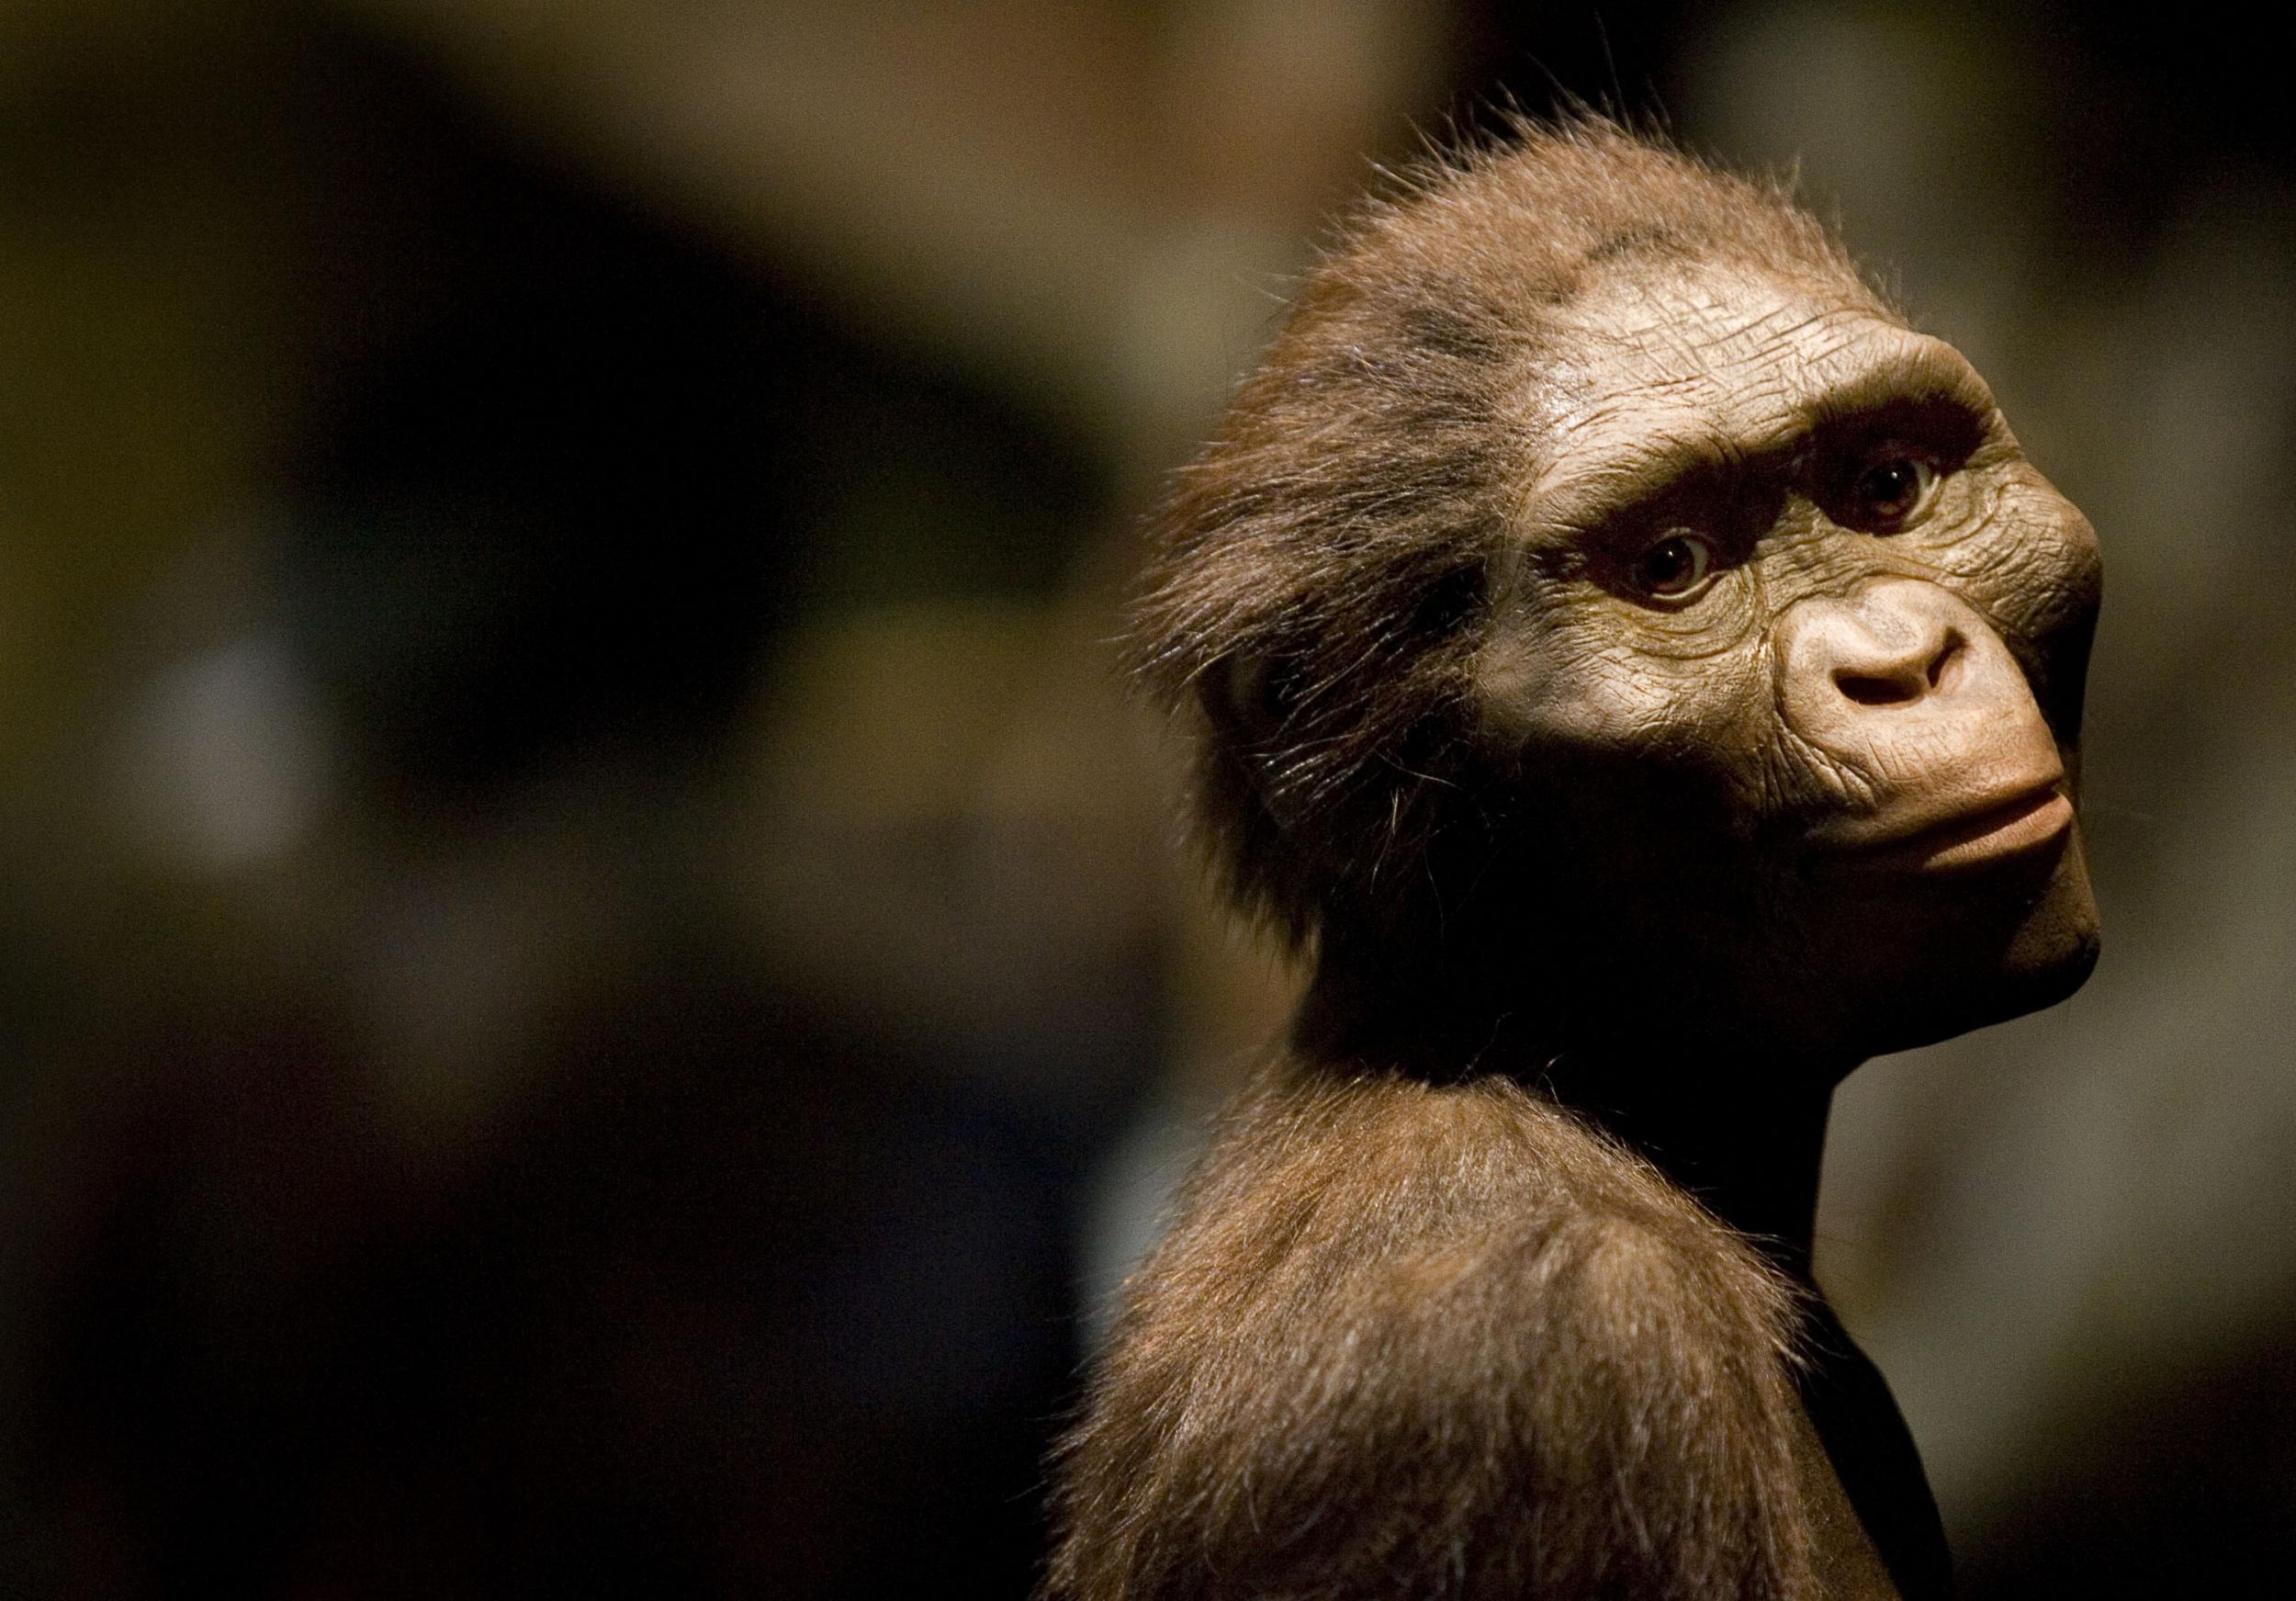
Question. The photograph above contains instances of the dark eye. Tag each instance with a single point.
(1676, 568)
(1892, 489)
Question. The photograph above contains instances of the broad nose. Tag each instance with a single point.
(1893, 650)
(1898, 665)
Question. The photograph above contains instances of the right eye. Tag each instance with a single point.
(1892, 489)
(1676, 568)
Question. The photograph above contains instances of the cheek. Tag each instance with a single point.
(1644, 750)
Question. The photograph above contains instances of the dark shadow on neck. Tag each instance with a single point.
(1726, 1114)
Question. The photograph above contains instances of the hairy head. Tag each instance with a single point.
(1488, 580)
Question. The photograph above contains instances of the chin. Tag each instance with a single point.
(2052, 947)
(1922, 962)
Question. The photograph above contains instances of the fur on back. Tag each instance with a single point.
(1405, 1339)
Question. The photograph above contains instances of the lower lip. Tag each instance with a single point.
(2012, 830)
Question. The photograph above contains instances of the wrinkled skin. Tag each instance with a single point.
(1789, 651)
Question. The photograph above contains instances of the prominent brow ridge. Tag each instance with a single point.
(1589, 490)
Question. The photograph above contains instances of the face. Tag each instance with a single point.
(1786, 659)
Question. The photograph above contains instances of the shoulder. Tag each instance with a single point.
(1447, 1336)
(1420, 1195)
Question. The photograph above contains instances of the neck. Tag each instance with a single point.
(1746, 1139)
(1732, 1118)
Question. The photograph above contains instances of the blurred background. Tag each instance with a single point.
(594, 985)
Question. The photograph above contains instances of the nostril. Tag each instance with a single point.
(1947, 657)
(1869, 689)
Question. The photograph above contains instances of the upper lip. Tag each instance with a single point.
(1935, 824)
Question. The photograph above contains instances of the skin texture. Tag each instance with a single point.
(1646, 676)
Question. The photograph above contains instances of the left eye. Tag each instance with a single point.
(1676, 568)
(1892, 490)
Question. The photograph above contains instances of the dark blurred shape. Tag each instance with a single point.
(468, 1201)
(726, 1306)
(601, 460)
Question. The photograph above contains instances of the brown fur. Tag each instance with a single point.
(1409, 1340)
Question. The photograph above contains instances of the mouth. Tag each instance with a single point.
(2029, 821)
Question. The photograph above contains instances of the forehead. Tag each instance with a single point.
(1699, 363)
